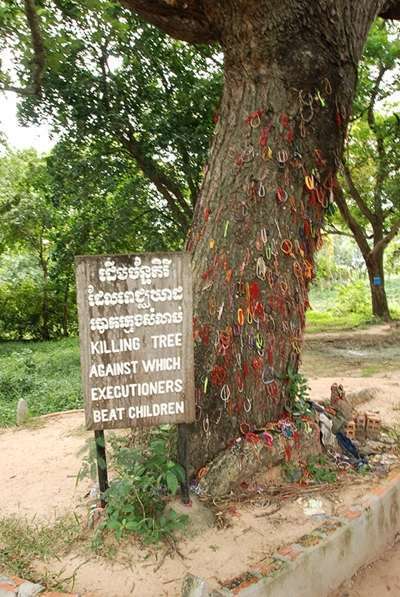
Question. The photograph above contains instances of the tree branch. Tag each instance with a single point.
(355, 194)
(39, 54)
(383, 243)
(331, 229)
(171, 192)
(182, 19)
(391, 10)
(380, 144)
(193, 188)
(168, 189)
(357, 230)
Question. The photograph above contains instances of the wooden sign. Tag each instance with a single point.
(135, 322)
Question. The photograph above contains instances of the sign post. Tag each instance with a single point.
(101, 458)
(136, 342)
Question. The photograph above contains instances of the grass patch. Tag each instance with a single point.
(330, 322)
(371, 370)
(23, 542)
(46, 374)
(347, 306)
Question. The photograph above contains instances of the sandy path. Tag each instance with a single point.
(380, 579)
(37, 479)
(387, 390)
(39, 467)
(382, 332)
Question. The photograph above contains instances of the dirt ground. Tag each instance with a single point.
(40, 464)
(38, 480)
(381, 579)
(359, 360)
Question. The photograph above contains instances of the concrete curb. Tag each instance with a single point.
(319, 562)
(13, 586)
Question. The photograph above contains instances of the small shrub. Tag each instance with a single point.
(20, 306)
(292, 473)
(353, 298)
(318, 469)
(298, 392)
(145, 479)
(17, 380)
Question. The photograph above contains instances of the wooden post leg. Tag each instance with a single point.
(101, 464)
(183, 460)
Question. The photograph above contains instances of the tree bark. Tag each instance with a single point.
(373, 257)
(376, 275)
(44, 328)
(258, 218)
(45, 331)
(65, 318)
(290, 76)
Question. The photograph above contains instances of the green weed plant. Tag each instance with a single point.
(144, 480)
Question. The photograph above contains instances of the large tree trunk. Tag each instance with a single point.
(258, 218)
(376, 274)
(290, 75)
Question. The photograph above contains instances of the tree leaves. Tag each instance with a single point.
(111, 76)
(172, 482)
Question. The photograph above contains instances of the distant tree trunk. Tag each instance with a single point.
(45, 331)
(65, 319)
(373, 257)
(45, 311)
(376, 274)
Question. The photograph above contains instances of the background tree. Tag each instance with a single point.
(369, 200)
(109, 76)
(105, 205)
(28, 217)
(55, 208)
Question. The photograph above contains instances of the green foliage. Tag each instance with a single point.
(20, 307)
(353, 298)
(298, 392)
(115, 82)
(28, 223)
(144, 479)
(319, 469)
(328, 321)
(21, 300)
(54, 209)
(339, 261)
(46, 374)
(133, 110)
(392, 258)
(292, 472)
(25, 206)
(332, 311)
